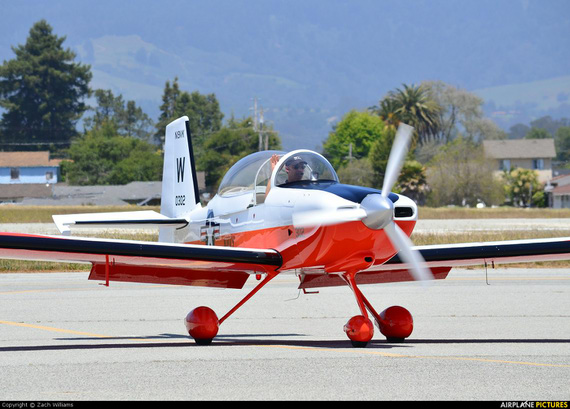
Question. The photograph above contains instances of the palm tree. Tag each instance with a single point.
(387, 112)
(413, 106)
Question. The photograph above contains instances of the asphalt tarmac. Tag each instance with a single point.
(500, 337)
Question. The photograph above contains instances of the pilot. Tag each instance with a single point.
(295, 168)
(274, 160)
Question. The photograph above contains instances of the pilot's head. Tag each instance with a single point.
(295, 167)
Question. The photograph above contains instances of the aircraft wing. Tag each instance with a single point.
(440, 259)
(512, 251)
(145, 262)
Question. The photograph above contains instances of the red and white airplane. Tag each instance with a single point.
(275, 213)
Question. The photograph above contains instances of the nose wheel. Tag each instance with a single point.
(359, 330)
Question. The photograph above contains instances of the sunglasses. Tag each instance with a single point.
(300, 166)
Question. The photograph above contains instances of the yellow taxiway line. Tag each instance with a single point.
(42, 327)
(355, 350)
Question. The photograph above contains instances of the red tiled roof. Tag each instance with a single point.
(27, 159)
(561, 190)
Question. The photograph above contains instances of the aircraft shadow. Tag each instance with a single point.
(255, 340)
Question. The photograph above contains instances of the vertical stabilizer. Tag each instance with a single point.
(179, 182)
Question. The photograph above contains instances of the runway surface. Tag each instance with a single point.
(65, 338)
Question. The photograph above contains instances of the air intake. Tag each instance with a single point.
(403, 212)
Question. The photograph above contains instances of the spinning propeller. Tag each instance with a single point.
(385, 214)
(376, 210)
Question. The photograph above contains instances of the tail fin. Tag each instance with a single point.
(179, 182)
(179, 192)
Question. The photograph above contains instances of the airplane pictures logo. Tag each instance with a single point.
(534, 404)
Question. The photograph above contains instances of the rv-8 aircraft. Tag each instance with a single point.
(274, 213)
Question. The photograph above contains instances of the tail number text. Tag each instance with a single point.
(180, 200)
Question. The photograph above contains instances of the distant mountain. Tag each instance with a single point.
(522, 103)
(311, 62)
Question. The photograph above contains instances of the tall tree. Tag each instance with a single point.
(461, 112)
(42, 92)
(414, 106)
(203, 112)
(109, 108)
(135, 122)
(167, 108)
(204, 115)
(387, 112)
(353, 137)
(129, 119)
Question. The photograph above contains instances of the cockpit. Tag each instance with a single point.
(253, 173)
(303, 166)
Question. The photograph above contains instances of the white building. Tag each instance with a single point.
(558, 191)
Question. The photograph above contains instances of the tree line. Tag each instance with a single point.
(43, 92)
(446, 164)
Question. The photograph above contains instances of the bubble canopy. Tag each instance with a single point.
(254, 171)
(304, 166)
(241, 176)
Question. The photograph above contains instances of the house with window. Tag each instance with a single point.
(558, 192)
(28, 167)
(535, 154)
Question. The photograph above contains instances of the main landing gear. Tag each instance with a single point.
(395, 323)
(202, 323)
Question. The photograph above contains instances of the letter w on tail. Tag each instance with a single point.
(180, 162)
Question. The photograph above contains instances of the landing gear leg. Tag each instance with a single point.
(359, 328)
(203, 324)
(395, 323)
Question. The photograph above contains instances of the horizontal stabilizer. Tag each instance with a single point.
(138, 219)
